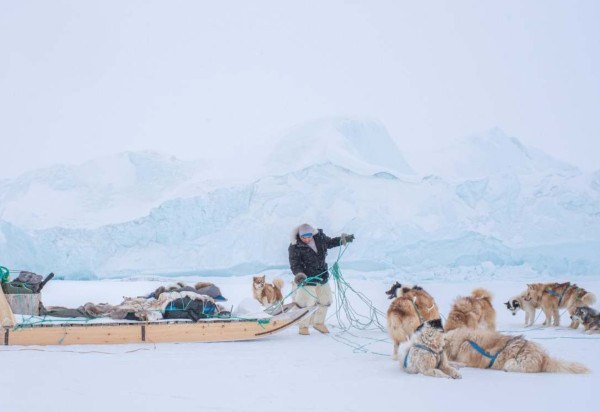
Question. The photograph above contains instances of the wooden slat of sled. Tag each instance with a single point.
(210, 331)
(75, 335)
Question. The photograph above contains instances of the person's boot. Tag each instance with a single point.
(321, 327)
(303, 330)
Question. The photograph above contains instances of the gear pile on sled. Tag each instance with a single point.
(177, 314)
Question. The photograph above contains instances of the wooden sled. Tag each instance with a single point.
(210, 330)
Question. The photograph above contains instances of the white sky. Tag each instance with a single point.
(207, 78)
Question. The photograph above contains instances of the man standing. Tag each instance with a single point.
(307, 253)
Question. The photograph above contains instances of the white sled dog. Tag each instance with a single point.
(492, 350)
(424, 353)
(520, 302)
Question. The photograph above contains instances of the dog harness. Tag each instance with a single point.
(492, 358)
(421, 318)
(558, 295)
(425, 348)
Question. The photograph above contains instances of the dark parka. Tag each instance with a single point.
(304, 259)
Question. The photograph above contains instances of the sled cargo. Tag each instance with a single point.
(208, 330)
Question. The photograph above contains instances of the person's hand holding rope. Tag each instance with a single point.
(299, 278)
(346, 238)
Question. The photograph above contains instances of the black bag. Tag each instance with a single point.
(186, 308)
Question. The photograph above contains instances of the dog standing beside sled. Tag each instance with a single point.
(267, 293)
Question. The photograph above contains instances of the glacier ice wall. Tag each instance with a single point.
(543, 215)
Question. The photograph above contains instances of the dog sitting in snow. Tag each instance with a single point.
(475, 311)
(589, 317)
(520, 302)
(267, 293)
(411, 307)
(425, 352)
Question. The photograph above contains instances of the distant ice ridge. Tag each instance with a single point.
(364, 147)
(532, 214)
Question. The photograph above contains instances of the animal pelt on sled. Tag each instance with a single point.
(487, 349)
(473, 311)
(411, 307)
(203, 288)
(424, 353)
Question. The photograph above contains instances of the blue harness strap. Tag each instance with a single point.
(492, 358)
(558, 295)
(426, 348)
(484, 353)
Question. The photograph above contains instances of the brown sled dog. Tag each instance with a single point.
(554, 296)
(411, 307)
(473, 311)
(491, 350)
(267, 293)
(425, 352)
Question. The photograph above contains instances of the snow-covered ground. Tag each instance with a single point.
(338, 372)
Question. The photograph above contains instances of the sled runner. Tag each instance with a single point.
(208, 330)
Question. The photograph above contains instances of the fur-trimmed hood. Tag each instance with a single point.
(294, 236)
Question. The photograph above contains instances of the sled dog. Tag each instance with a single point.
(411, 307)
(424, 353)
(491, 350)
(520, 302)
(589, 317)
(554, 296)
(472, 311)
(267, 293)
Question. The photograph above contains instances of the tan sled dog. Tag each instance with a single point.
(491, 350)
(473, 311)
(411, 307)
(425, 352)
(267, 293)
(554, 296)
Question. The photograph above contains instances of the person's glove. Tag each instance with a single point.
(346, 238)
(299, 278)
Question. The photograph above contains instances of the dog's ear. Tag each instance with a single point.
(436, 323)
(507, 305)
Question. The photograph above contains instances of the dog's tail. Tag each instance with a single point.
(588, 299)
(557, 365)
(278, 282)
(481, 293)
